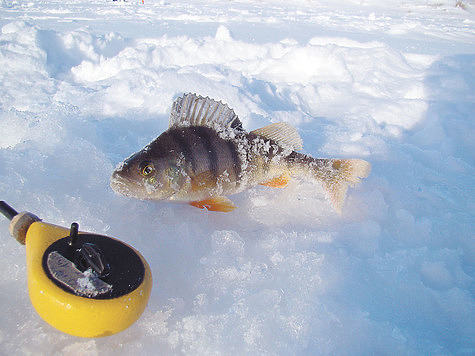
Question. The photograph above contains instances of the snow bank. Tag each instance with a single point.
(283, 274)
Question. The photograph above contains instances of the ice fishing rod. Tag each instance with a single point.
(83, 284)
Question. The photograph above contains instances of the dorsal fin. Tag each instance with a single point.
(282, 133)
(195, 110)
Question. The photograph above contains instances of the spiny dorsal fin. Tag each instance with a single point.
(282, 133)
(195, 110)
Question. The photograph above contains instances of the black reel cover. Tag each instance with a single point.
(93, 266)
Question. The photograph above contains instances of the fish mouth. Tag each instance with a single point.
(122, 185)
(144, 190)
(132, 189)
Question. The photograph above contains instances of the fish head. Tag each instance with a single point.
(148, 176)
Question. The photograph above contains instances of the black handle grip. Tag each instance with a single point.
(7, 210)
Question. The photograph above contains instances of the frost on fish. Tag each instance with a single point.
(205, 155)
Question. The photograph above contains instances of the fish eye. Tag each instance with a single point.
(146, 169)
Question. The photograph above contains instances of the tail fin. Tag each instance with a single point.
(337, 174)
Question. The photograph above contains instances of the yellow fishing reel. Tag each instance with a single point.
(83, 284)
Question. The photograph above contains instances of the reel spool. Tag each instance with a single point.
(83, 284)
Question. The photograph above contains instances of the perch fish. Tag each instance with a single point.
(206, 155)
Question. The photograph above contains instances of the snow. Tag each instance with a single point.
(87, 83)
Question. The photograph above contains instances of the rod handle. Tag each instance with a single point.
(7, 210)
(19, 222)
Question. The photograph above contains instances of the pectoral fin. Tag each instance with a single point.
(215, 204)
(278, 182)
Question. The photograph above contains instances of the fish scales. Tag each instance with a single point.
(205, 155)
(217, 165)
(202, 155)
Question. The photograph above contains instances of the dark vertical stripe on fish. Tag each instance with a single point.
(236, 162)
(185, 147)
(209, 140)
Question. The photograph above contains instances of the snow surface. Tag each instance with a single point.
(86, 83)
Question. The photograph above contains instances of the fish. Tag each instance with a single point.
(205, 155)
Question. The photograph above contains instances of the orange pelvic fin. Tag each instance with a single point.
(215, 204)
(279, 182)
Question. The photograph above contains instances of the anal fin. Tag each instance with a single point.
(222, 204)
(278, 182)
